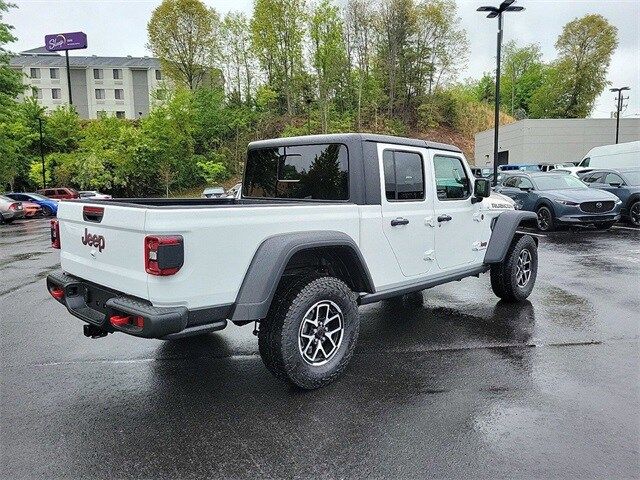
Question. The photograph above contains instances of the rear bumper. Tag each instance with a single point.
(96, 304)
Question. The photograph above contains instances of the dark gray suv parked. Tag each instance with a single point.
(623, 183)
(561, 199)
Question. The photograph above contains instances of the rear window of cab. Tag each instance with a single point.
(309, 172)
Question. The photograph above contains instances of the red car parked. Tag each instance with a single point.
(62, 193)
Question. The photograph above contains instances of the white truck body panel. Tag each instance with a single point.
(221, 241)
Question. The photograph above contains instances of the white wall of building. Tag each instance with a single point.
(553, 140)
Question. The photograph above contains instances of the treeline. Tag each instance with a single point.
(386, 66)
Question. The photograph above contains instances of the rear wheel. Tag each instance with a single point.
(545, 221)
(310, 332)
(634, 214)
(514, 278)
(46, 211)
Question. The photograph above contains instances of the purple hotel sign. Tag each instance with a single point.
(65, 41)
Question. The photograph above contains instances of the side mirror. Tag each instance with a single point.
(481, 189)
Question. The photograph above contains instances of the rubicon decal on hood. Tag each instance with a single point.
(93, 240)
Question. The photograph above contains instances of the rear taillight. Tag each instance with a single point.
(163, 255)
(55, 234)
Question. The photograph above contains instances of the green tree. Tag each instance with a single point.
(522, 74)
(183, 35)
(579, 75)
(328, 54)
(238, 56)
(278, 29)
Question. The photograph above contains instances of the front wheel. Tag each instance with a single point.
(514, 278)
(634, 213)
(310, 332)
(545, 220)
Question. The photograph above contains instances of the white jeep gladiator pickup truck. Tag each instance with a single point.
(323, 224)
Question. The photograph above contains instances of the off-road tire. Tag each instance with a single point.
(547, 213)
(504, 275)
(279, 331)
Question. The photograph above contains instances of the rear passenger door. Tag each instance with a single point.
(456, 228)
(407, 209)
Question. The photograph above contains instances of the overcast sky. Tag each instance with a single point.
(118, 28)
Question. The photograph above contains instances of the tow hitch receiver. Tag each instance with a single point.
(92, 331)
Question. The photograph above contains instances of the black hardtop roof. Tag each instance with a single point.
(348, 138)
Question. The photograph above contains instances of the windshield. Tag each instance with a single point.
(632, 178)
(558, 182)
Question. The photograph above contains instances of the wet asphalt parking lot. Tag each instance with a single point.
(449, 384)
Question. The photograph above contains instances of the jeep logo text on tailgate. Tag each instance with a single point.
(93, 240)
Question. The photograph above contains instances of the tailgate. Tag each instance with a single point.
(104, 243)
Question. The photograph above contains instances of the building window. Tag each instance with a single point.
(119, 93)
(120, 114)
(56, 93)
(35, 73)
(37, 93)
(117, 74)
(158, 75)
(54, 73)
(99, 93)
(98, 74)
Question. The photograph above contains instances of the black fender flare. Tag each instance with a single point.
(270, 260)
(503, 233)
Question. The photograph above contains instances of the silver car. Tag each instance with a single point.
(10, 210)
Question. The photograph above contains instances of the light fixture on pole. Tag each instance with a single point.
(505, 6)
(619, 107)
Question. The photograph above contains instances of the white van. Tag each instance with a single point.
(613, 156)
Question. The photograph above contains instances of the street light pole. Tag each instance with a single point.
(619, 107)
(505, 6)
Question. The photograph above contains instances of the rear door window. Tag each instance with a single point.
(403, 175)
(612, 178)
(313, 172)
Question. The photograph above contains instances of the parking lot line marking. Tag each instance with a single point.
(625, 228)
(531, 233)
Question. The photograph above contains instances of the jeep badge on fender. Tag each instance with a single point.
(93, 240)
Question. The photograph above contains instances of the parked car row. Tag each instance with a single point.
(600, 198)
(218, 192)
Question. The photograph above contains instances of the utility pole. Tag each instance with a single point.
(44, 176)
(619, 107)
(494, 12)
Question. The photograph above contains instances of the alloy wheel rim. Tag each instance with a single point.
(543, 219)
(523, 268)
(635, 213)
(321, 333)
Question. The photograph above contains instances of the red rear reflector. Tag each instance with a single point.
(127, 320)
(55, 234)
(163, 255)
(57, 293)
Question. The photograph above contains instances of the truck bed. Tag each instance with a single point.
(199, 202)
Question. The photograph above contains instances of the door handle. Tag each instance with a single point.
(444, 218)
(399, 221)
